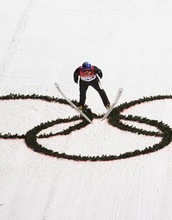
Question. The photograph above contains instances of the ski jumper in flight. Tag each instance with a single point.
(87, 75)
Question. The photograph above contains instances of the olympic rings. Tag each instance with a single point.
(115, 119)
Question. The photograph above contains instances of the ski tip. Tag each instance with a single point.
(57, 85)
(120, 89)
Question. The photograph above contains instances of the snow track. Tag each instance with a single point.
(42, 42)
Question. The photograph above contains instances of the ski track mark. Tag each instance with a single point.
(15, 40)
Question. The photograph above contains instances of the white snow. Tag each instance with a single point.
(43, 42)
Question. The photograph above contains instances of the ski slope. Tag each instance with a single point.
(43, 42)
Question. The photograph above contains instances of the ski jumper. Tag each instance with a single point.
(87, 79)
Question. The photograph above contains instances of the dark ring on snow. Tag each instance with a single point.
(31, 141)
(31, 136)
(116, 116)
(114, 120)
(29, 97)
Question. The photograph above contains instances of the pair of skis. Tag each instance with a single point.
(78, 110)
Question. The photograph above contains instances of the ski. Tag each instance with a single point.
(113, 104)
(71, 103)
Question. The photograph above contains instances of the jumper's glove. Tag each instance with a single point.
(75, 77)
(100, 74)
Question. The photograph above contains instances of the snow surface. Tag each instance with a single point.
(43, 42)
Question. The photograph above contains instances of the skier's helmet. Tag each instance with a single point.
(86, 66)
